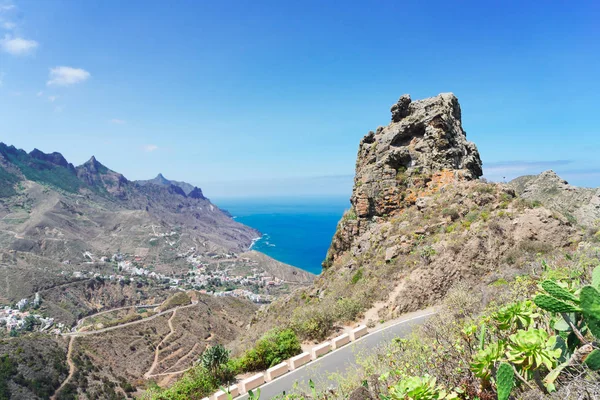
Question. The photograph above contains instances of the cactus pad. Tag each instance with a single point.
(590, 304)
(505, 380)
(551, 304)
(558, 292)
(593, 360)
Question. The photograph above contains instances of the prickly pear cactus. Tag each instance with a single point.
(558, 292)
(505, 381)
(554, 305)
(596, 278)
(593, 360)
(590, 305)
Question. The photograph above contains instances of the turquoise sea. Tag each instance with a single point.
(296, 231)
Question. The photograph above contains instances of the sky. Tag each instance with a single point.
(251, 98)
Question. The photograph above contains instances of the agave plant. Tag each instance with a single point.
(516, 315)
(531, 349)
(485, 360)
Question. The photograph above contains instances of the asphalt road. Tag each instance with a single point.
(339, 361)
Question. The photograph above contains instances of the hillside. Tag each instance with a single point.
(420, 223)
(77, 242)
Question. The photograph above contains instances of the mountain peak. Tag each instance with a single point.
(53, 158)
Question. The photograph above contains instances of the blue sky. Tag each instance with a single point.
(272, 97)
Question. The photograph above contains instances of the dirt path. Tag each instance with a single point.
(82, 320)
(139, 321)
(185, 356)
(373, 312)
(71, 369)
(157, 350)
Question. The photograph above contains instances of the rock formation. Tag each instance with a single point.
(424, 137)
(424, 146)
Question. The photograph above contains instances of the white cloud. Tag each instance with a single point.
(65, 76)
(59, 109)
(17, 46)
(7, 7)
(40, 94)
(52, 98)
(9, 26)
(149, 148)
(117, 121)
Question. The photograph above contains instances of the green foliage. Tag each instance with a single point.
(418, 388)
(273, 348)
(520, 314)
(7, 183)
(194, 385)
(45, 172)
(485, 360)
(593, 360)
(554, 305)
(254, 396)
(357, 276)
(596, 277)
(531, 349)
(8, 369)
(214, 360)
(505, 380)
(590, 304)
(556, 291)
(349, 215)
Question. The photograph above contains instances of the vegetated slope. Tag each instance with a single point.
(85, 239)
(31, 367)
(58, 219)
(420, 222)
(580, 205)
(158, 349)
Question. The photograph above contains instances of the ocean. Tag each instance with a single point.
(296, 231)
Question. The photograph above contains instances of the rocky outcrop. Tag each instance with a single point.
(423, 148)
(580, 205)
(423, 138)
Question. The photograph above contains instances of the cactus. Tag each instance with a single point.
(554, 305)
(558, 292)
(593, 360)
(505, 381)
(596, 277)
(590, 304)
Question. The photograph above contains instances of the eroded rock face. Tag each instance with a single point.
(423, 149)
(423, 138)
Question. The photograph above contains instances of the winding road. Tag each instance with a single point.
(338, 361)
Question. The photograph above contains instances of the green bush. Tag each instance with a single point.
(312, 322)
(194, 385)
(357, 276)
(273, 348)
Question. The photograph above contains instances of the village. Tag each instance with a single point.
(210, 273)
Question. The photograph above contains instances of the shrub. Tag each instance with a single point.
(357, 276)
(312, 322)
(273, 348)
(347, 309)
